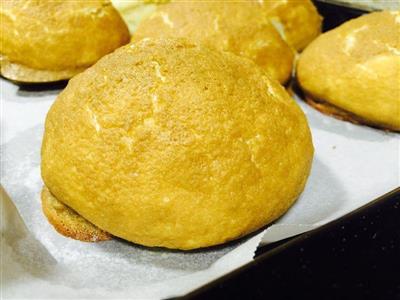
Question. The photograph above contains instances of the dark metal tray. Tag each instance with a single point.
(354, 257)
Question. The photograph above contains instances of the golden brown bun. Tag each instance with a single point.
(356, 68)
(135, 11)
(68, 222)
(43, 41)
(241, 28)
(167, 143)
(300, 19)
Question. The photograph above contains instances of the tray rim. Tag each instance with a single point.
(395, 193)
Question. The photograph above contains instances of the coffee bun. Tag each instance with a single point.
(241, 28)
(353, 71)
(44, 41)
(169, 143)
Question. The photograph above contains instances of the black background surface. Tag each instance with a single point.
(354, 257)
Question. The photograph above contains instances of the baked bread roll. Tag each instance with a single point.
(300, 20)
(44, 41)
(172, 144)
(353, 71)
(135, 11)
(242, 28)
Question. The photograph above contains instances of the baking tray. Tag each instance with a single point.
(365, 5)
(354, 257)
(335, 13)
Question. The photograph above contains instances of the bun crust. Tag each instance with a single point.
(133, 12)
(300, 20)
(241, 28)
(361, 73)
(168, 143)
(53, 40)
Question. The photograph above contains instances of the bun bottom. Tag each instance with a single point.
(69, 223)
(23, 74)
(341, 114)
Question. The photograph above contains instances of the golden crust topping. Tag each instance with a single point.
(169, 143)
(361, 73)
(300, 19)
(240, 27)
(58, 36)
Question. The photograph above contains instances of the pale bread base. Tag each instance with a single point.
(23, 74)
(68, 223)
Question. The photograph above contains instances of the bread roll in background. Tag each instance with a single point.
(169, 143)
(44, 41)
(242, 28)
(300, 20)
(353, 71)
(135, 11)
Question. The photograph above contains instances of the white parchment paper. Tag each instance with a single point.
(352, 166)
